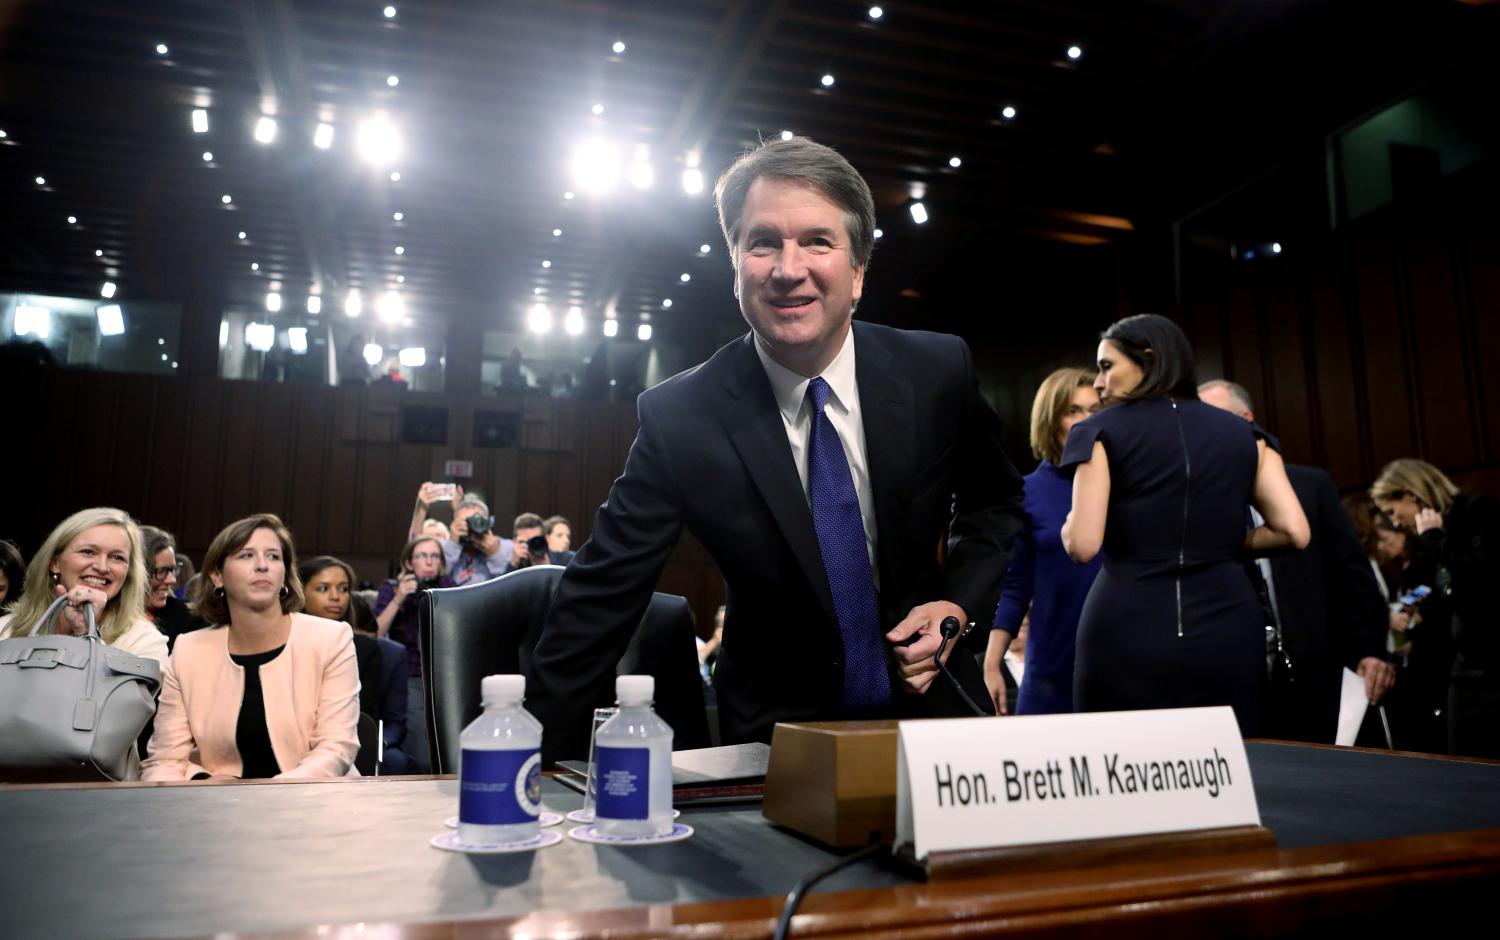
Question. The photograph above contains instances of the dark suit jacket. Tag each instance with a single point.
(1332, 613)
(711, 455)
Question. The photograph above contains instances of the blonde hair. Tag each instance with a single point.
(212, 606)
(1052, 402)
(123, 610)
(1426, 483)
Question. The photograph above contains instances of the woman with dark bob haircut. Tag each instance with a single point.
(1161, 482)
(267, 691)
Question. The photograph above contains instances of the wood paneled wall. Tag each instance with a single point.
(1379, 341)
(191, 454)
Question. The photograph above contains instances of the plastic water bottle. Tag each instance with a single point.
(633, 761)
(500, 772)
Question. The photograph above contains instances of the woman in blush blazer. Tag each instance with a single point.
(268, 691)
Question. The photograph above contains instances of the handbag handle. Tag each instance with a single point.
(54, 610)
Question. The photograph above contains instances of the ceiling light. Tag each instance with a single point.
(242, 236)
(390, 13)
(692, 181)
(226, 199)
(398, 216)
(827, 80)
(323, 136)
(787, 135)
(595, 165)
(704, 249)
(597, 109)
(536, 291)
(98, 252)
(876, 13)
(3, 135)
(557, 233)
(685, 277)
(573, 322)
(200, 121)
(879, 234)
(273, 301)
(314, 304)
(223, 333)
(1075, 53)
(401, 279)
(539, 319)
(161, 48)
(111, 320)
(108, 290)
(618, 47)
(353, 303)
(643, 332)
(265, 130)
(400, 250)
(568, 194)
(208, 156)
(611, 327)
(395, 177)
(296, 338)
(373, 353)
(255, 265)
(392, 80)
(260, 336)
(1275, 248)
(72, 220)
(378, 141)
(666, 302)
(390, 307)
(918, 213)
(955, 162)
(413, 357)
(1008, 112)
(41, 181)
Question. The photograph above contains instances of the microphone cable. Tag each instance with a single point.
(794, 898)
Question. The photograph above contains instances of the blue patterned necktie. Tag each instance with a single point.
(846, 561)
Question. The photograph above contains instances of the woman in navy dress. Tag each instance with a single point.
(1041, 576)
(1162, 483)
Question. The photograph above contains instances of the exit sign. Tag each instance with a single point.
(458, 469)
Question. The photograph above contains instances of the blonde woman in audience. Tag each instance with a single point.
(93, 558)
(265, 692)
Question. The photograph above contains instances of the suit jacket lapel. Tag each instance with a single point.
(756, 430)
(887, 406)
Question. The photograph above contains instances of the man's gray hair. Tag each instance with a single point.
(1236, 392)
(803, 161)
(471, 502)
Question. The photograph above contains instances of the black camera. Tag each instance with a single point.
(479, 527)
(537, 545)
(427, 584)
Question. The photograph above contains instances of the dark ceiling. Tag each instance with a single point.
(493, 99)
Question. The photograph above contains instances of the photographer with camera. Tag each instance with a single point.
(529, 546)
(396, 616)
(474, 553)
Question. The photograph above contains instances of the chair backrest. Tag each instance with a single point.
(483, 629)
(367, 761)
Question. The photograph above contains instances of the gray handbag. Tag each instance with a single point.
(70, 703)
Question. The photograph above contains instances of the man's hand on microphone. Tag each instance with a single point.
(921, 626)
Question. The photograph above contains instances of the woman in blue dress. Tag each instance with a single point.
(1162, 483)
(1041, 576)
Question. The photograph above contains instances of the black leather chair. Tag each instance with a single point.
(367, 761)
(484, 629)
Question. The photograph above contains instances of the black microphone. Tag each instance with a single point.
(950, 629)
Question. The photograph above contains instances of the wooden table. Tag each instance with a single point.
(1365, 838)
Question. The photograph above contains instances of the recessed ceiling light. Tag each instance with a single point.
(692, 181)
(537, 291)
(72, 220)
(398, 216)
(643, 332)
(597, 109)
(879, 233)
(666, 302)
(685, 277)
(546, 264)
(611, 327)
(392, 80)
(323, 136)
(704, 249)
(1075, 53)
(41, 181)
(161, 48)
(265, 130)
(3, 135)
(108, 290)
(918, 213)
(400, 250)
(98, 252)
(787, 135)
(378, 141)
(876, 13)
(314, 304)
(208, 156)
(401, 279)
(200, 121)
(1008, 112)
(390, 13)
(242, 236)
(955, 162)
(273, 301)
(618, 47)
(395, 177)
(568, 194)
(255, 265)
(557, 233)
(827, 80)
(573, 322)
(353, 303)
(226, 199)
(1275, 248)
(539, 318)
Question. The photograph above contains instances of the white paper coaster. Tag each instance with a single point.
(448, 842)
(679, 832)
(586, 816)
(544, 820)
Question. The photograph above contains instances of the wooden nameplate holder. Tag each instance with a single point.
(835, 782)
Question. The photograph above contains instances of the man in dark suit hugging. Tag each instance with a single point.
(847, 478)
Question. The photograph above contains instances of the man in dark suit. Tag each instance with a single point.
(1329, 607)
(821, 462)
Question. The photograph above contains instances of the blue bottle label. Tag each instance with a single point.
(499, 788)
(624, 782)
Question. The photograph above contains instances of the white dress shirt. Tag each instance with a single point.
(842, 409)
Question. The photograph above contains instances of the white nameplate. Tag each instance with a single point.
(974, 783)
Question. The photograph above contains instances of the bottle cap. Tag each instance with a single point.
(502, 689)
(635, 690)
